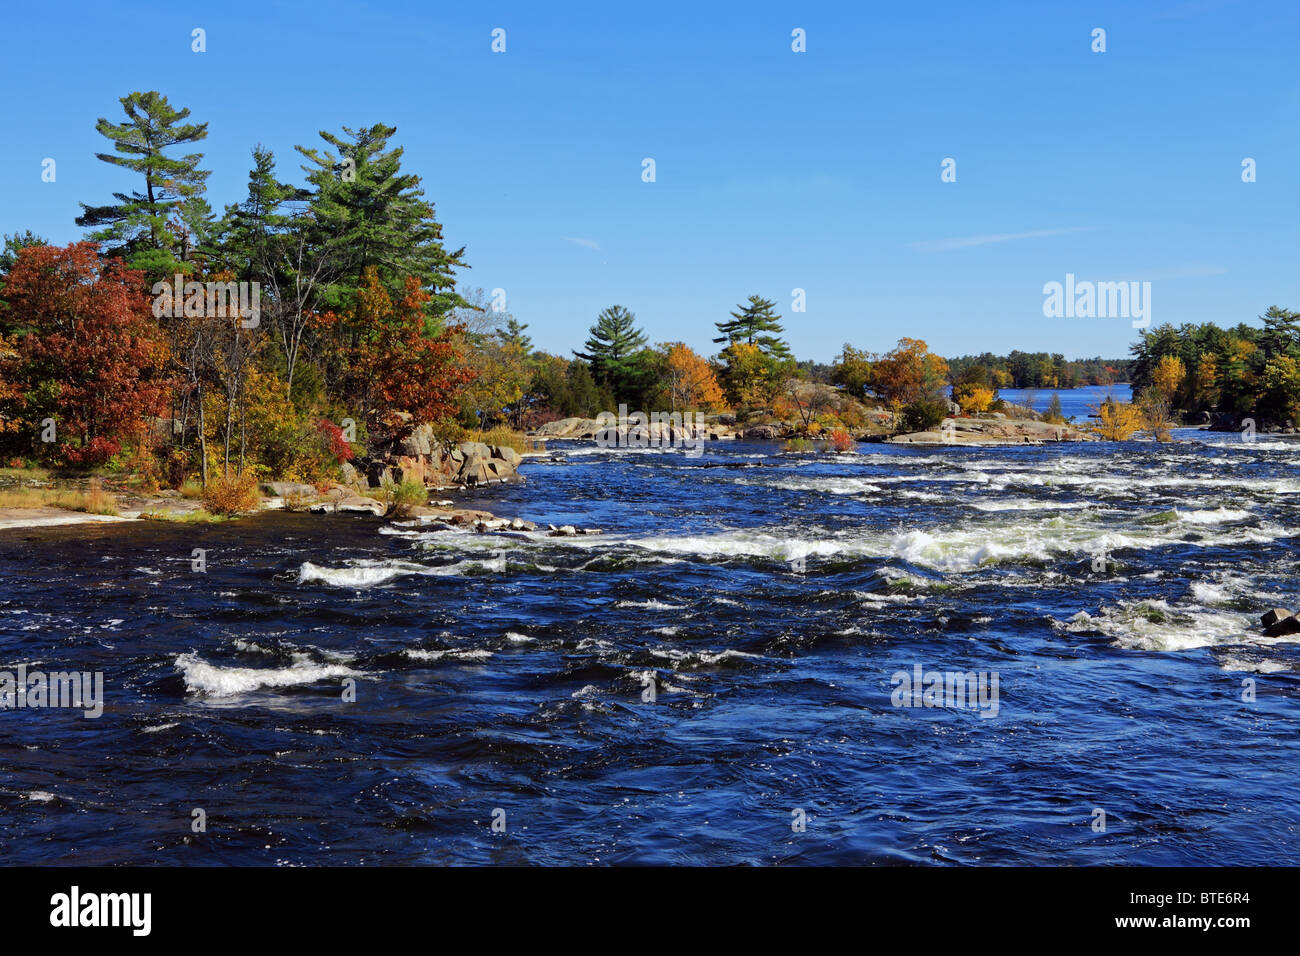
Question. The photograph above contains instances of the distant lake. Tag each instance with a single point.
(1075, 402)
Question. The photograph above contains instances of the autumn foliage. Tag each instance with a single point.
(691, 382)
(391, 360)
(85, 350)
(909, 373)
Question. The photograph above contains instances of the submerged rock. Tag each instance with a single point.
(1269, 618)
(1280, 622)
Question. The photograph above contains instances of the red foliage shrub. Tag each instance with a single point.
(338, 445)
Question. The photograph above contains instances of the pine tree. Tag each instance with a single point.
(514, 336)
(372, 215)
(137, 226)
(756, 324)
(249, 229)
(612, 349)
(1281, 335)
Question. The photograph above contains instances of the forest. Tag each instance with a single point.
(303, 323)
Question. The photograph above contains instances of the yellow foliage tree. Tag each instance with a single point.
(973, 398)
(753, 377)
(1118, 421)
(1168, 376)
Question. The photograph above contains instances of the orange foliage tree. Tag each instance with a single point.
(393, 361)
(691, 381)
(909, 373)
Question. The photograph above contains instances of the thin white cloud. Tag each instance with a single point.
(585, 243)
(966, 242)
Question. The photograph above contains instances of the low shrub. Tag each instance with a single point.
(297, 501)
(231, 495)
(923, 415)
(400, 498)
(839, 441)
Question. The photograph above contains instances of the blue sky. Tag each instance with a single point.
(775, 170)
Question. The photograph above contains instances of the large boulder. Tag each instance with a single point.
(419, 442)
(508, 455)
(566, 428)
(474, 449)
(285, 489)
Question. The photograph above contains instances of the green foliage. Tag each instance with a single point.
(1037, 370)
(1244, 371)
(367, 213)
(169, 212)
(923, 415)
(613, 351)
(852, 371)
(756, 324)
(401, 498)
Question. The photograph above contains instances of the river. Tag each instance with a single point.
(715, 679)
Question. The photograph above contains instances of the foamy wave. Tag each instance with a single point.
(1213, 516)
(213, 680)
(369, 572)
(476, 654)
(1157, 626)
(1253, 667)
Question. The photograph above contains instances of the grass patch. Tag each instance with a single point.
(199, 516)
(505, 437)
(93, 501)
(26, 474)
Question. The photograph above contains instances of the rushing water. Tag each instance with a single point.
(767, 598)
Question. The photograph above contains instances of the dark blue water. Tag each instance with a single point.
(1076, 403)
(766, 598)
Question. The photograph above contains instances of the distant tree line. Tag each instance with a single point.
(1042, 370)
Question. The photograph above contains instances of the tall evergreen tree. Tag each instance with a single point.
(249, 229)
(143, 226)
(612, 348)
(1281, 335)
(373, 215)
(756, 324)
(514, 335)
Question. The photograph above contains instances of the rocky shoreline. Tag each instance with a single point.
(366, 484)
(1015, 427)
(993, 429)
